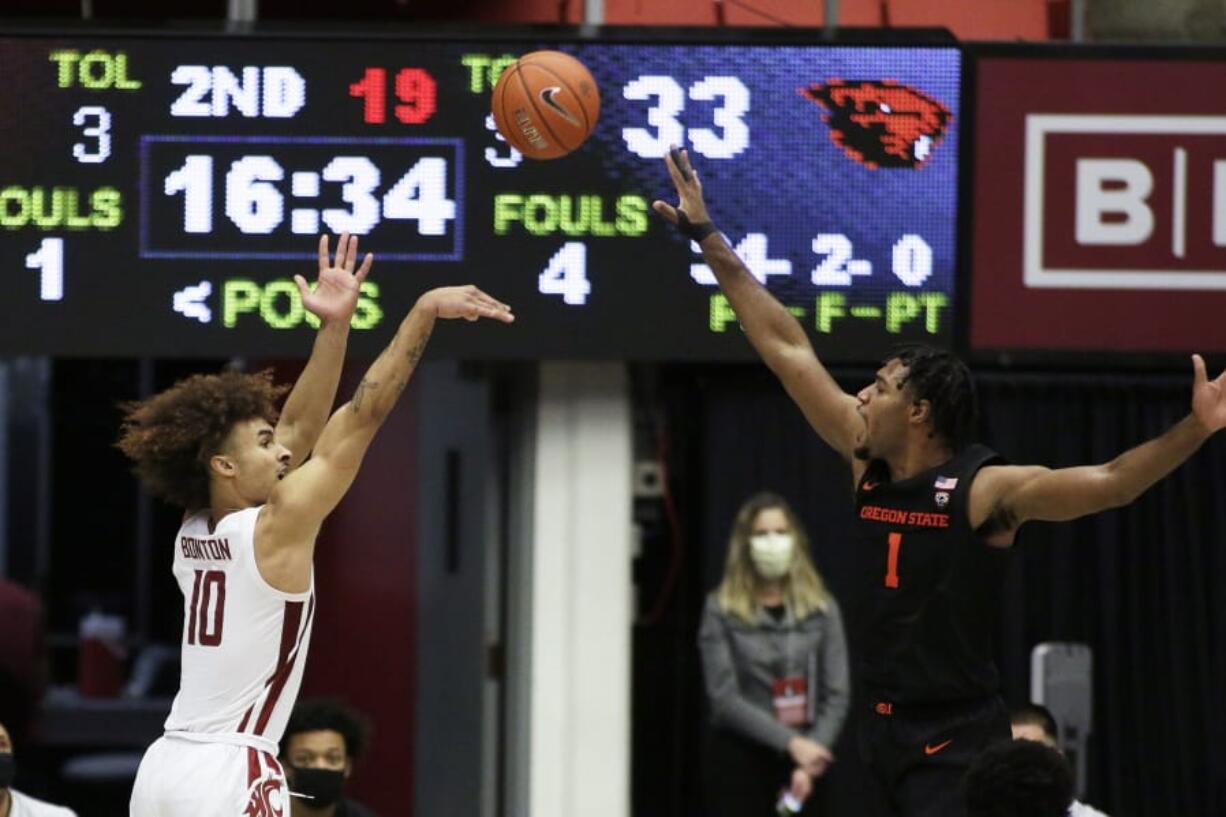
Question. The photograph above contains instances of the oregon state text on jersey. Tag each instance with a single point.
(934, 586)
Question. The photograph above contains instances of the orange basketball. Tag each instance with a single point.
(546, 104)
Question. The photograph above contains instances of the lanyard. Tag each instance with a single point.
(788, 622)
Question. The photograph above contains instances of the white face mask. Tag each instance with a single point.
(771, 554)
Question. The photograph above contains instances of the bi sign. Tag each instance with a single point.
(1147, 201)
(1099, 204)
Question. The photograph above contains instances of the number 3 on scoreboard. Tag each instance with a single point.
(891, 561)
(100, 129)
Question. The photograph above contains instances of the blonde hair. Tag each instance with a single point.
(803, 589)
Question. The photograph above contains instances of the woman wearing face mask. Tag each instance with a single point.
(775, 667)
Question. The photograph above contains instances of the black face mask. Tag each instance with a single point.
(8, 768)
(321, 787)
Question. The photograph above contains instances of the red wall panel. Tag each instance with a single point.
(1035, 285)
(968, 19)
(364, 650)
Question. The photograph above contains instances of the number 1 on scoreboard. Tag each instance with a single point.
(49, 260)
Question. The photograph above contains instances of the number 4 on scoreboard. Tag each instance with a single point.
(566, 274)
(421, 195)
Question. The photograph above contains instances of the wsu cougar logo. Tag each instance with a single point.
(881, 123)
(264, 798)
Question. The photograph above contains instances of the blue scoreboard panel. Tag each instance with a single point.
(158, 193)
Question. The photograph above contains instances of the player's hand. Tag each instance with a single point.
(336, 291)
(466, 302)
(824, 758)
(802, 785)
(809, 755)
(689, 191)
(1208, 396)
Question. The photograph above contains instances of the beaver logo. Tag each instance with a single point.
(881, 123)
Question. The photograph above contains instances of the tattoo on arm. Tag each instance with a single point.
(418, 349)
(363, 387)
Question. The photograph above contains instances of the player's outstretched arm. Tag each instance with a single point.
(1007, 496)
(771, 329)
(333, 301)
(289, 523)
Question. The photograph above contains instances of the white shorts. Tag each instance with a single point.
(183, 778)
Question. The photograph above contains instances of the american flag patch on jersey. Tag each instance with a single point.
(945, 483)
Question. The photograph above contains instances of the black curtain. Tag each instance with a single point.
(1140, 585)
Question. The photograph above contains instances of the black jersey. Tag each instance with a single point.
(934, 586)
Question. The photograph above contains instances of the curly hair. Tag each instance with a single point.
(1019, 778)
(319, 714)
(945, 382)
(171, 436)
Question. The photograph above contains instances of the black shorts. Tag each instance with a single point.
(917, 756)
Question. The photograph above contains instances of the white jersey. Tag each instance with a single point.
(26, 806)
(244, 642)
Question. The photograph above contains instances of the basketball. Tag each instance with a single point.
(546, 104)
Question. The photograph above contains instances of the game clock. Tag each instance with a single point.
(159, 192)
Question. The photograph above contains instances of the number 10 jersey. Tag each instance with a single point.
(244, 642)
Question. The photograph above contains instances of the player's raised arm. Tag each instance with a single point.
(333, 301)
(289, 523)
(1006, 496)
(772, 330)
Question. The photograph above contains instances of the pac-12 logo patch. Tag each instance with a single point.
(881, 123)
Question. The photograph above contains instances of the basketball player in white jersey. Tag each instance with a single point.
(215, 445)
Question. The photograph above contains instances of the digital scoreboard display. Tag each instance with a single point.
(159, 192)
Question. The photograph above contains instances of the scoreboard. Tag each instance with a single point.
(158, 192)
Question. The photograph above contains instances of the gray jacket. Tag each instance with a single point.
(741, 661)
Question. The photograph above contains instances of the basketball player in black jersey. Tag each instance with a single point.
(935, 516)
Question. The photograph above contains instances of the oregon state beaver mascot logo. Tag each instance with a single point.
(881, 123)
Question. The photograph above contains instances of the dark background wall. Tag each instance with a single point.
(1137, 584)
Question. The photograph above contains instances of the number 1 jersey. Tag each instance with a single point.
(244, 642)
(933, 586)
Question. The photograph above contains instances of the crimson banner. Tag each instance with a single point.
(1099, 202)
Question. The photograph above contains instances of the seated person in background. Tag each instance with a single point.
(23, 659)
(321, 743)
(12, 802)
(1019, 778)
(774, 661)
(1035, 722)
